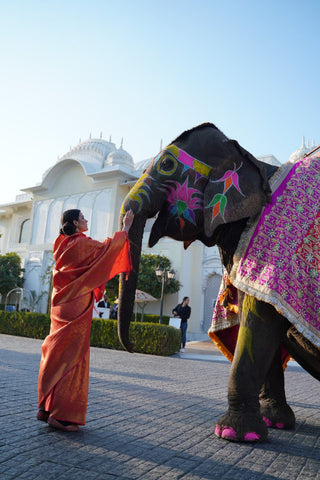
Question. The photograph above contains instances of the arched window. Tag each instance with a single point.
(24, 231)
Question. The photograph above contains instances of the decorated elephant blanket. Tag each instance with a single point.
(278, 256)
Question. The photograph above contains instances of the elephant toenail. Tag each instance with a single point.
(229, 434)
(217, 431)
(251, 437)
(279, 425)
(267, 421)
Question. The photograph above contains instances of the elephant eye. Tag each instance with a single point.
(167, 165)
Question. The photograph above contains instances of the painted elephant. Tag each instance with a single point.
(204, 186)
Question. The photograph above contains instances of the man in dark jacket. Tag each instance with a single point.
(183, 311)
(103, 304)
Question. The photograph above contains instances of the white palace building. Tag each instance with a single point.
(95, 176)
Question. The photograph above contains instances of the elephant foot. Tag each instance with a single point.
(241, 427)
(276, 416)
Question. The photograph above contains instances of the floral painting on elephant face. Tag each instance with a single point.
(220, 200)
(183, 201)
(184, 192)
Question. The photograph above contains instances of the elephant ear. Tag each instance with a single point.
(237, 188)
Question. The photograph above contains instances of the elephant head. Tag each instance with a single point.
(200, 181)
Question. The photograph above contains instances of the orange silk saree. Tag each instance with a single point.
(82, 268)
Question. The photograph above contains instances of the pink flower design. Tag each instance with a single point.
(183, 200)
(231, 178)
(219, 201)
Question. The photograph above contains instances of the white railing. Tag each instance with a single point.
(23, 197)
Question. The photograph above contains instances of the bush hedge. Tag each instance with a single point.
(25, 324)
(149, 318)
(151, 338)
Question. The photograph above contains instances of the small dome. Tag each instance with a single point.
(119, 157)
(93, 151)
(142, 165)
(298, 154)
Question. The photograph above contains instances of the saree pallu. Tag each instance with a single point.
(83, 266)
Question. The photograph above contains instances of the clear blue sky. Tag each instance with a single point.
(149, 69)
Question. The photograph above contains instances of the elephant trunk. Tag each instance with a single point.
(128, 287)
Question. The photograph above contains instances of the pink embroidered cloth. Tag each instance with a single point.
(278, 258)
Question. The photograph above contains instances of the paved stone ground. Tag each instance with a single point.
(148, 418)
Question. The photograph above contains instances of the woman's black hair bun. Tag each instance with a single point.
(68, 227)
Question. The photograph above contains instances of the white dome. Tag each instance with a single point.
(92, 153)
(119, 157)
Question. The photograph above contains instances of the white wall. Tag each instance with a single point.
(94, 205)
(10, 227)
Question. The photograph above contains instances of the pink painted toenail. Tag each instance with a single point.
(251, 437)
(229, 434)
(217, 431)
(279, 425)
(267, 421)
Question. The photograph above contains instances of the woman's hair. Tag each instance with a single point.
(68, 227)
(184, 299)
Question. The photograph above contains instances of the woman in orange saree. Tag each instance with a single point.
(82, 268)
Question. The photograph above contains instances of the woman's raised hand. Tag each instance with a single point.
(127, 220)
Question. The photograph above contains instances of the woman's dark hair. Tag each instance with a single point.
(68, 227)
(184, 299)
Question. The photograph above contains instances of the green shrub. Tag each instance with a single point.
(149, 318)
(155, 339)
(151, 338)
(104, 334)
(25, 324)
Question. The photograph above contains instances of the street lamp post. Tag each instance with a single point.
(164, 276)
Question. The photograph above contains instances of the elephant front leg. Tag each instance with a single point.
(273, 404)
(258, 340)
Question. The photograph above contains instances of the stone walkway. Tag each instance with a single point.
(149, 418)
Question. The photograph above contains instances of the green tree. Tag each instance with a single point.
(11, 273)
(147, 279)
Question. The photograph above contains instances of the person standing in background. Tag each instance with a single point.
(104, 303)
(183, 311)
